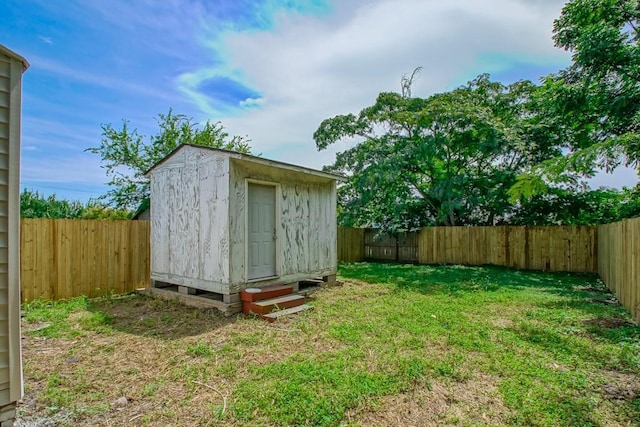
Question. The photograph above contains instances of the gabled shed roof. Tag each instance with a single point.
(11, 54)
(253, 159)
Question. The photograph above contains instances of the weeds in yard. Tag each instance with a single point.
(199, 349)
(396, 344)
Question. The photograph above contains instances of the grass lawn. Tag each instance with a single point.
(392, 345)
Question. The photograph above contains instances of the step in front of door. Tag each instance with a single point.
(273, 316)
(266, 293)
(279, 303)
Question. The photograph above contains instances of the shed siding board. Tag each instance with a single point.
(159, 224)
(214, 200)
(237, 220)
(10, 105)
(187, 229)
(295, 227)
(315, 227)
(189, 216)
(307, 230)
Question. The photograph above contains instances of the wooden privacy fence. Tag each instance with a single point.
(555, 248)
(538, 248)
(350, 244)
(619, 262)
(383, 247)
(68, 258)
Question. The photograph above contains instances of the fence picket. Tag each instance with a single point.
(66, 258)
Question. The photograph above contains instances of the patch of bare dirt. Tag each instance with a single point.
(602, 290)
(502, 322)
(606, 301)
(472, 402)
(620, 386)
(139, 373)
(608, 322)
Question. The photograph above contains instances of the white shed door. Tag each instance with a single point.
(262, 231)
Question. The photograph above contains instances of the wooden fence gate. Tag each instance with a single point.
(385, 247)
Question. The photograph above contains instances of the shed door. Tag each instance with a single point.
(262, 231)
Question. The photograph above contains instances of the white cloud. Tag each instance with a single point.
(252, 103)
(305, 68)
(65, 168)
(311, 68)
(97, 79)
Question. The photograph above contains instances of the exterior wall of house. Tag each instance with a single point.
(305, 218)
(11, 69)
(189, 220)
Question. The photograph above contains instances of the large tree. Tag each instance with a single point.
(596, 100)
(448, 159)
(561, 206)
(127, 155)
(36, 205)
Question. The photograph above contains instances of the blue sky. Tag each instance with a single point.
(271, 70)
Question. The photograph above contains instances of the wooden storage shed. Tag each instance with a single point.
(222, 221)
(11, 68)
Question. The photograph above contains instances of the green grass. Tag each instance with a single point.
(538, 341)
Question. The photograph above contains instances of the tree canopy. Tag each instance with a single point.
(127, 155)
(448, 159)
(35, 205)
(596, 100)
(486, 153)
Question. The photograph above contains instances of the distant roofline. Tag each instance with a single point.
(253, 159)
(11, 54)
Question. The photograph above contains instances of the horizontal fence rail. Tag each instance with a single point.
(66, 258)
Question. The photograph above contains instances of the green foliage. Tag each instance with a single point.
(564, 207)
(199, 349)
(127, 155)
(448, 159)
(596, 100)
(35, 205)
(483, 153)
(94, 210)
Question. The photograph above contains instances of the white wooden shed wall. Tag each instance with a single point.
(199, 222)
(306, 227)
(189, 220)
(11, 68)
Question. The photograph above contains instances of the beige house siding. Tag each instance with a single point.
(11, 68)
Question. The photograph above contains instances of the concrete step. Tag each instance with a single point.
(273, 316)
(278, 303)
